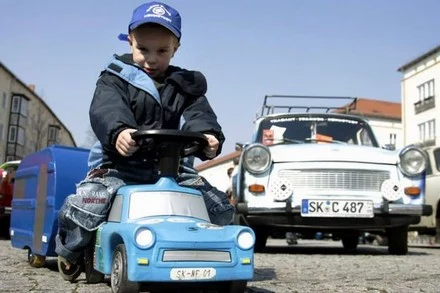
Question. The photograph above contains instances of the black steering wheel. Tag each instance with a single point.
(190, 142)
(168, 146)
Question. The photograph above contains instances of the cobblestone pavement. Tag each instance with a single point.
(309, 266)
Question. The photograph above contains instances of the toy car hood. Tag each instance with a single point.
(176, 228)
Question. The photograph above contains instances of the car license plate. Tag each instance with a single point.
(337, 208)
(192, 274)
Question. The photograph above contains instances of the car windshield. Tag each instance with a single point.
(326, 129)
(148, 204)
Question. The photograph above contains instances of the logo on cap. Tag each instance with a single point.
(158, 10)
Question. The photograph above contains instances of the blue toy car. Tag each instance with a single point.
(159, 236)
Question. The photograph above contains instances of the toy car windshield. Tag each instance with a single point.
(148, 204)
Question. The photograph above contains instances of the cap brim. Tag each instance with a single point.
(123, 37)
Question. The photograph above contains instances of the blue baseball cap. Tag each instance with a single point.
(155, 12)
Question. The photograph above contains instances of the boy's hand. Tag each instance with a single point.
(211, 149)
(125, 145)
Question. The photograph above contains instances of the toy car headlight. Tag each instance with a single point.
(257, 159)
(413, 161)
(245, 240)
(144, 238)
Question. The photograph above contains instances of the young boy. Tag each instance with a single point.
(139, 90)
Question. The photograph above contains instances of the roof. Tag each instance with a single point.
(419, 59)
(218, 161)
(38, 97)
(376, 109)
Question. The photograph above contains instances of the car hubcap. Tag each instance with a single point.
(117, 270)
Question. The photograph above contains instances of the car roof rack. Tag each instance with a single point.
(271, 108)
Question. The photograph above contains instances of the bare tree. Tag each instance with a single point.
(39, 125)
(90, 138)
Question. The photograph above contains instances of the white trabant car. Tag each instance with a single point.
(431, 224)
(325, 172)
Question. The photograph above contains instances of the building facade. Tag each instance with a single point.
(385, 119)
(27, 124)
(420, 114)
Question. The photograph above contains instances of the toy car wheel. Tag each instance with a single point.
(398, 240)
(236, 287)
(35, 260)
(92, 276)
(118, 279)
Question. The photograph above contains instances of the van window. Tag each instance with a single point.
(436, 153)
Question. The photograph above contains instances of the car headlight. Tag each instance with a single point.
(413, 161)
(256, 158)
(144, 238)
(245, 240)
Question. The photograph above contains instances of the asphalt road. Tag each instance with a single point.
(309, 266)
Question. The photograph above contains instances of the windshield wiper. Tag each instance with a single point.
(289, 140)
(325, 140)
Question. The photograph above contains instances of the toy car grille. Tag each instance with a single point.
(368, 180)
(196, 255)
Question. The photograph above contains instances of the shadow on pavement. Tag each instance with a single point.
(332, 248)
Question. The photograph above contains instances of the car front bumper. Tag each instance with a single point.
(389, 215)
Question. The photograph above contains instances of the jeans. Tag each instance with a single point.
(83, 212)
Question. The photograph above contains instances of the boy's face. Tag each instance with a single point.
(152, 47)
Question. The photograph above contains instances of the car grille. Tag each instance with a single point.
(196, 255)
(368, 180)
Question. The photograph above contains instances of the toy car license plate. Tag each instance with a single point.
(337, 208)
(192, 274)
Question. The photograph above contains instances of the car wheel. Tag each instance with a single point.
(261, 235)
(92, 276)
(4, 228)
(350, 242)
(118, 279)
(237, 286)
(398, 240)
(35, 260)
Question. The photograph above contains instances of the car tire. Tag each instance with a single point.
(261, 235)
(35, 260)
(118, 278)
(398, 240)
(350, 242)
(4, 228)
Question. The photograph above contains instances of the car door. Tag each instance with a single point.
(432, 186)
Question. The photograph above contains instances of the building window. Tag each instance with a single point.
(426, 97)
(24, 107)
(20, 136)
(431, 129)
(15, 107)
(12, 134)
(52, 134)
(427, 132)
(426, 90)
(4, 101)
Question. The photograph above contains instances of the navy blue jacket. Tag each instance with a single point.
(126, 97)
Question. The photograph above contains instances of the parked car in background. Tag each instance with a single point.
(7, 178)
(431, 224)
(325, 172)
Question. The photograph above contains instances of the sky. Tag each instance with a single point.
(246, 49)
